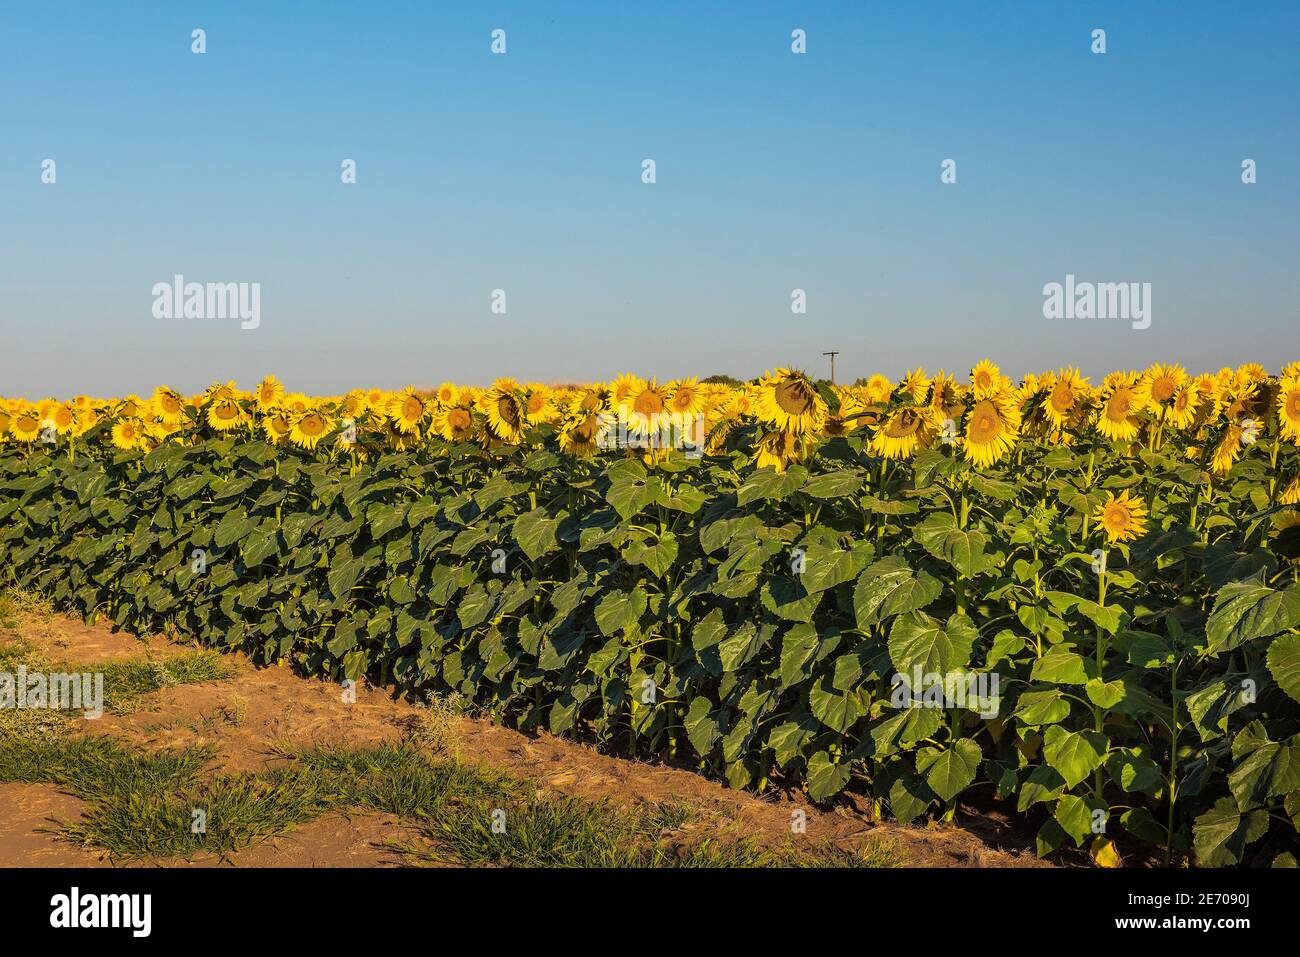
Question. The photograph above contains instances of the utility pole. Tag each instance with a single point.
(832, 355)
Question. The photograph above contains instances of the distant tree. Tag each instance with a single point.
(722, 380)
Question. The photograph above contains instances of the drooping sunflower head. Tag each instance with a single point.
(582, 431)
(992, 426)
(168, 405)
(985, 379)
(596, 398)
(406, 411)
(946, 399)
(904, 431)
(276, 426)
(915, 385)
(505, 413)
(1228, 450)
(1290, 494)
(308, 428)
(779, 450)
(25, 424)
(226, 414)
(1123, 518)
(788, 400)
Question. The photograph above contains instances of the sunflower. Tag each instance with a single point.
(788, 400)
(992, 426)
(406, 411)
(946, 400)
(1182, 408)
(582, 432)
(226, 414)
(455, 424)
(780, 450)
(915, 385)
(277, 426)
(906, 430)
(624, 388)
(296, 402)
(879, 389)
(353, 405)
(684, 397)
(985, 380)
(168, 405)
(377, 399)
(1228, 450)
(644, 407)
(1158, 386)
(1123, 518)
(308, 428)
(269, 394)
(539, 406)
(1288, 408)
(128, 435)
(63, 418)
(447, 395)
(1290, 494)
(1066, 398)
(26, 425)
(505, 413)
(1118, 419)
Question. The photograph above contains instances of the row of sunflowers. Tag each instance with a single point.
(1220, 415)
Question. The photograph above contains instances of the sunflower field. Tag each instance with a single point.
(798, 596)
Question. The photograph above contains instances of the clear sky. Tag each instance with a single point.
(522, 172)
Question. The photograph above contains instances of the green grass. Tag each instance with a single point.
(126, 681)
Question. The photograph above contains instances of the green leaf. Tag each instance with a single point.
(825, 778)
(1221, 834)
(620, 610)
(1073, 754)
(950, 771)
(890, 587)
(939, 535)
(1284, 664)
(917, 640)
(1244, 611)
(535, 533)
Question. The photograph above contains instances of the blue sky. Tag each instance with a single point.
(522, 172)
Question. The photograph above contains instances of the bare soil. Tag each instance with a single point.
(248, 715)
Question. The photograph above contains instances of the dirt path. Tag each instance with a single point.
(248, 715)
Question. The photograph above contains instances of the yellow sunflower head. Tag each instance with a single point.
(1123, 518)
(25, 424)
(684, 397)
(1118, 419)
(268, 394)
(985, 380)
(539, 406)
(406, 411)
(1158, 386)
(308, 428)
(447, 395)
(168, 405)
(788, 400)
(779, 450)
(992, 426)
(904, 431)
(879, 389)
(128, 435)
(276, 426)
(1066, 398)
(226, 414)
(505, 413)
(1288, 407)
(456, 424)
